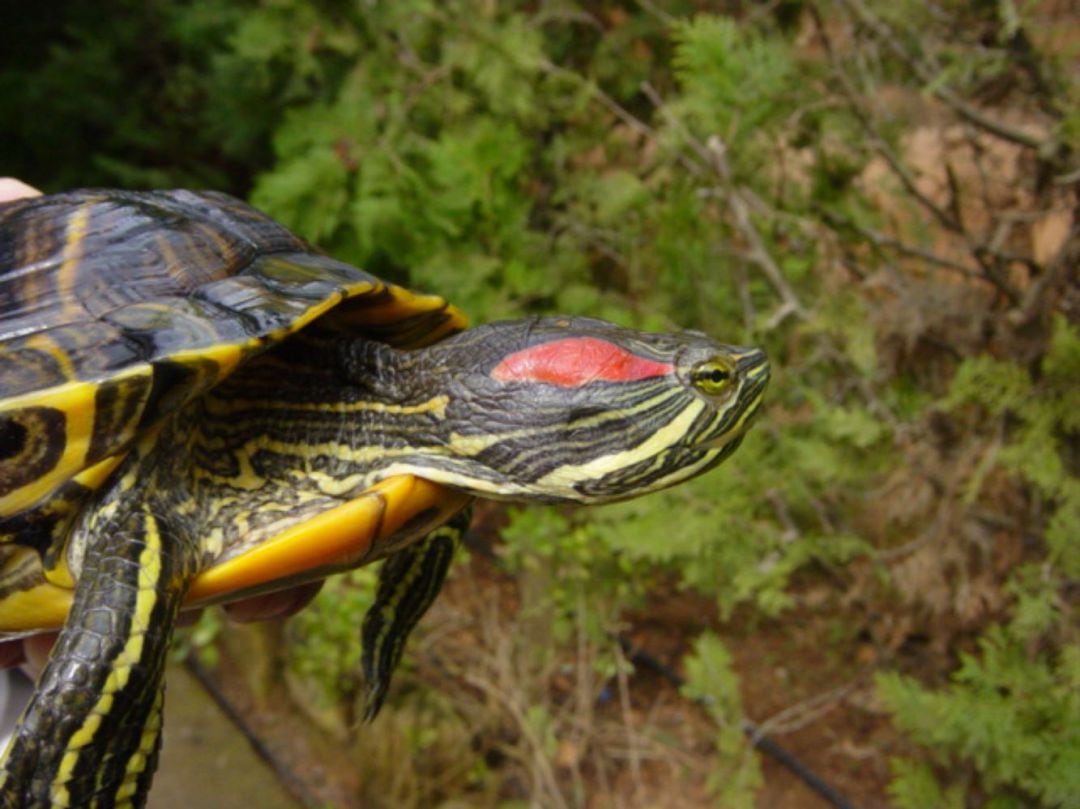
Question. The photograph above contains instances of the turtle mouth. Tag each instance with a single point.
(734, 434)
(722, 441)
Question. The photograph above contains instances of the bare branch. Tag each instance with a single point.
(658, 102)
(882, 240)
(968, 112)
(757, 252)
(713, 154)
(1058, 272)
(876, 140)
(803, 713)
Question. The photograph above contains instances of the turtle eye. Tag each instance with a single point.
(712, 377)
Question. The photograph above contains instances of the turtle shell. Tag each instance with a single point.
(118, 307)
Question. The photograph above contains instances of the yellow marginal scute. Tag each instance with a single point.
(338, 538)
(403, 304)
(315, 311)
(76, 401)
(213, 363)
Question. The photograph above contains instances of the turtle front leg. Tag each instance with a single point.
(91, 732)
(409, 581)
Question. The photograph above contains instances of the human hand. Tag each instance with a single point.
(12, 189)
(34, 651)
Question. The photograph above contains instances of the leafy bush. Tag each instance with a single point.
(1014, 715)
(1013, 710)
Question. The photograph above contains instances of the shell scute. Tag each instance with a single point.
(117, 308)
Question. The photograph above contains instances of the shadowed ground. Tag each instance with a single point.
(206, 761)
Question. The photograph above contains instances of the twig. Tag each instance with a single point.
(657, 12)
(631, 735)
(540, 762)
(992, 261)
(757, 252)
(783, 515)
(697, 146)
(584, 701)
(797, 716)
(1060, 270)
(713, 154)
(831, 352)
(616, 109)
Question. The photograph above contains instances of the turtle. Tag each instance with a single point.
(196, 406)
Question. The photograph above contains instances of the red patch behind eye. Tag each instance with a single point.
(576, 361)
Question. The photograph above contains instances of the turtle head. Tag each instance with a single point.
(581, 410)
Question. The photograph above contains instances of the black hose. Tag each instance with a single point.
(758, 740)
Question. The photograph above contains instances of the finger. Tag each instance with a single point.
(273, 605)
(37, 650)
(11, 653)
(11, 189)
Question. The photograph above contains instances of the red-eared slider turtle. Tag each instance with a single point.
(195, 406)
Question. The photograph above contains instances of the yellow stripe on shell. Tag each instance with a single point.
(45, 344)
(37, 244)
(68, 275)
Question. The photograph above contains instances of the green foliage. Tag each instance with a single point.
(737, 82)
(1016, 716)
(572, 580)
(324, 645)
(1043, 420)
(711, 680)
(915, 786)
(131, 98)
(728, 541)
(199, 640)
(1014, 709)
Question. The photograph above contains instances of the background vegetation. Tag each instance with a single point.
(883, 195)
